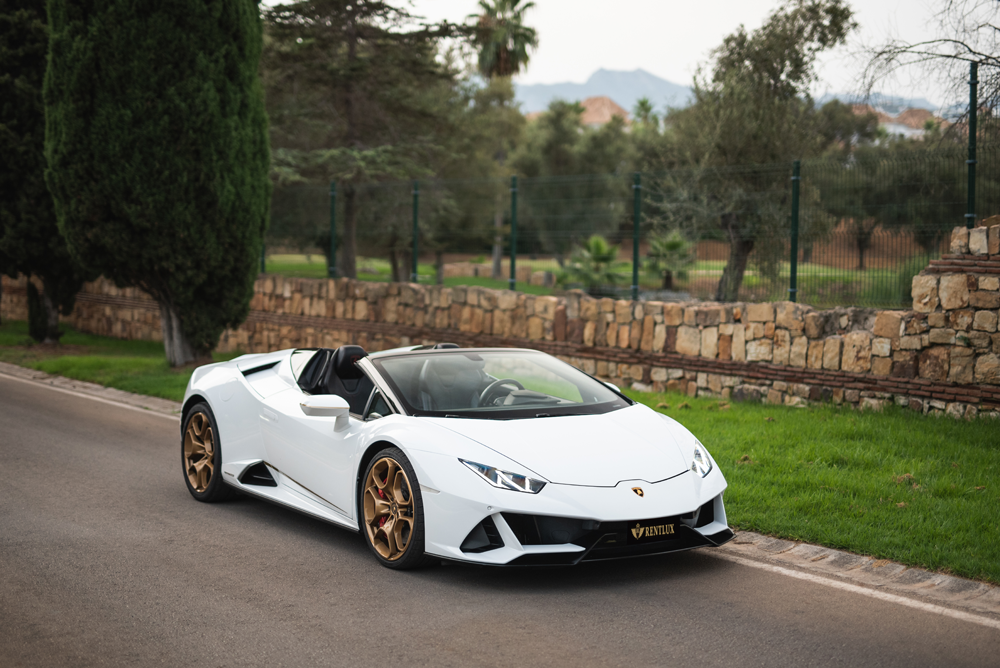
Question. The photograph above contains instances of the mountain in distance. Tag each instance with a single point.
(625, 88)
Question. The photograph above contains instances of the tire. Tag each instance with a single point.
(391, 511)
(201, 456)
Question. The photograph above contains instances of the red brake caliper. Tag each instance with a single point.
(381, 520)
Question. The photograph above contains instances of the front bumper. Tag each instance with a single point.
(610, 540)
(472, 522)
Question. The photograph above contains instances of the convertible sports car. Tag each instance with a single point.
(487, 455)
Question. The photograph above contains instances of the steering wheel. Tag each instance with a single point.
(486, 398)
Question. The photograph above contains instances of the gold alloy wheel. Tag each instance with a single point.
(199, 452)
(389, 510)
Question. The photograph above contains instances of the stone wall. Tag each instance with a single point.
(942, 356)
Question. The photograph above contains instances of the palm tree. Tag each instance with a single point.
(502, 38)
(594, 265)
(670, 255)
(503, 41)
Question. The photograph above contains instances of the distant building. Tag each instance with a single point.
(909, 123)
(596, 112)
(600, 110)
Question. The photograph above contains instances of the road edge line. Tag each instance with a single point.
(84, 395)
(857, 589)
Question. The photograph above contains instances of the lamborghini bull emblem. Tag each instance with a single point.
(638, 491)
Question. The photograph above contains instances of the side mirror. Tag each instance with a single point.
(328, 405)
(325, 405)
(612, 386)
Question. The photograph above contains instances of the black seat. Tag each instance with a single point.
(346, 379)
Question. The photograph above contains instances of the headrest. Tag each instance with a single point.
(451, 382)
(343, 362)
(449, 369)
(444, 346)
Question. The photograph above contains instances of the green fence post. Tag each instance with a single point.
(263, 258)
(793, 269)
(636, 210)
(513, 231)
(970, 215)
(331, 270)
(416, 231)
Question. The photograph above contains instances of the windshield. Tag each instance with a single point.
(494, 384)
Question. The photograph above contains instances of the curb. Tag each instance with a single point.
(153, 404)
(881, 574)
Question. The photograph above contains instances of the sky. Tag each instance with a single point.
(670, 38)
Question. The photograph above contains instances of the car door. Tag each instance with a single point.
(314, 452)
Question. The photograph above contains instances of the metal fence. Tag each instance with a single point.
(860, 226)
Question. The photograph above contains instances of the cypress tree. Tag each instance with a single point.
(156, 141)
(30, 242)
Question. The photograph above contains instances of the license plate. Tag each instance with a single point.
(651, 531)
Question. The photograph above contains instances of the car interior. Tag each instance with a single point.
(451, 383)
(333, 371)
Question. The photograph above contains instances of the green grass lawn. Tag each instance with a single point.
(373, 269)
(818, 285)
(133, 366)
(897, 485)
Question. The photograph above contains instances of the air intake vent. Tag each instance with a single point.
(262, 367)
(259, 475)
(483, 538)
(706, 515)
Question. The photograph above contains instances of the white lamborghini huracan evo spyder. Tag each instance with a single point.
(494, 456)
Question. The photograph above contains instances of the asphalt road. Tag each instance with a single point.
(105, 559)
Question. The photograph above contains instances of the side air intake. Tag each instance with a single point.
(258, 475)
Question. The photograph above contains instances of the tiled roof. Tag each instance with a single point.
(599, 110)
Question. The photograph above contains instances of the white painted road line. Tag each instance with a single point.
(864, 591)
(84, 395)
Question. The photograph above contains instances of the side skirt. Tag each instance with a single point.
(289, 494)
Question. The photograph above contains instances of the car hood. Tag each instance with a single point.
(633, 443)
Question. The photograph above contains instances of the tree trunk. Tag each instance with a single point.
(739, 254)
(439, 267)
(394, 271)
(52, 332)
(498, 245)
(348, 245)
(863, 242)
(179, 350)
(807, 252)
(668, 279)
(38, 322)
(863, 232)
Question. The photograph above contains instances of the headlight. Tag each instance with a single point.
(506, 479)
(701, 463)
